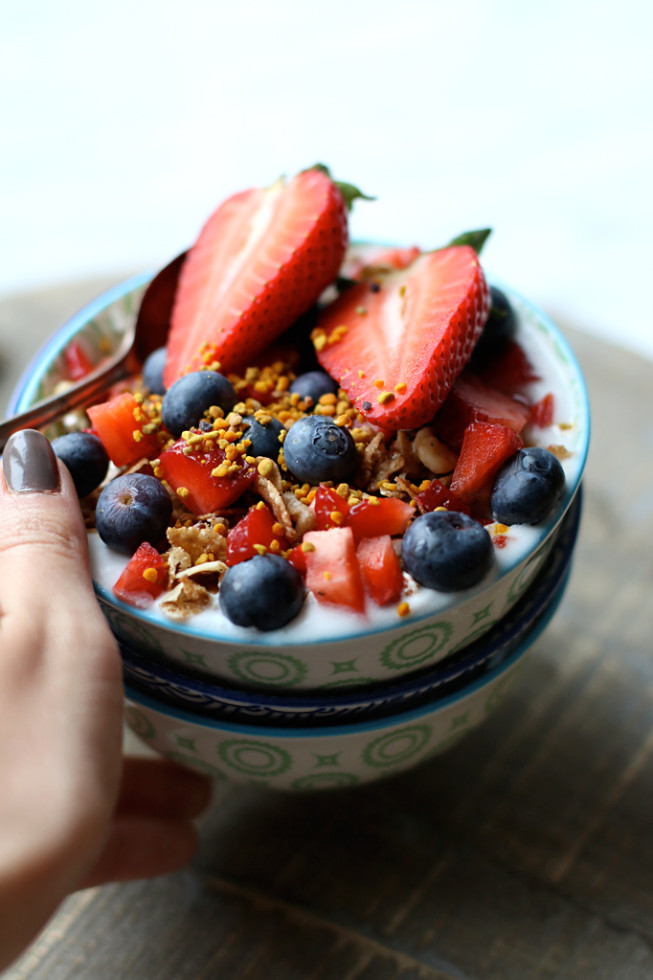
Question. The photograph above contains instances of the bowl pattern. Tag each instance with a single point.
(309, 759)
(287, 660)
(205, 698)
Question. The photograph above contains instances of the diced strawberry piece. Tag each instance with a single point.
(541, 413)
(471, 400)
(331, 510)
(332, 571)
(78, 363)
(119, 425)
(380, 568)
(262, 259)
(191, 476)
(485, 447)
(297, 558)
(143, 579)
(375, 516)
(509, 370)
(374, 257)
(397, 345)
(257, 527)
(437, 495)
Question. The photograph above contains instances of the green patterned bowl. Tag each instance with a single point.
(325, 649)
(307, 759)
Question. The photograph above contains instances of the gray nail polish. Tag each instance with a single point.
(28, 463)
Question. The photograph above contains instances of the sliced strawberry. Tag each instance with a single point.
(262, 259)
(437, 495)
(119, 425)
(397, 345)
(143, 579)
(331, 510)
(380, 568)
(332, 571)
(190, 471)
(375, 516)
(257, 530)
(471, 400)
(542, 412)
(485, 447)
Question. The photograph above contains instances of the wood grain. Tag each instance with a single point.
(524, 852)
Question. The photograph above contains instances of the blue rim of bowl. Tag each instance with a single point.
(376, 724)
(27, 386)
(488, 648)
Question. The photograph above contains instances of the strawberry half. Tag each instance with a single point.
(261, 260)
(397, 344)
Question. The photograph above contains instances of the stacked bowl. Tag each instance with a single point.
(321, 704)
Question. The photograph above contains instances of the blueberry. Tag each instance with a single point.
(527, 487)
(266, 592)
(313, 385)
(153, 371)
(187, 400)
(447, 550)
(131, 509)
(317, 450)
(85, 457)
(264, 438)
(500, 327)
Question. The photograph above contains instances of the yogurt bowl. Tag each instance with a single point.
(326, 647)
(205, 698)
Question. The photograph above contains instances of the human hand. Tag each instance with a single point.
(71, 813)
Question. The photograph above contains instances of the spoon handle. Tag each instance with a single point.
(84, 392)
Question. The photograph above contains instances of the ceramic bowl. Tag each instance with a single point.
(207, 699)
(324, 648)
(322, 758)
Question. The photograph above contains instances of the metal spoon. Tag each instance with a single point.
(144, 336)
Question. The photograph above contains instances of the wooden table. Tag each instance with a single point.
(524, 852)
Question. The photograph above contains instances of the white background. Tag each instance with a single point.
(122, 125)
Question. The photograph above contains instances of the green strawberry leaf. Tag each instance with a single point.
(349, 191)
(475, 239)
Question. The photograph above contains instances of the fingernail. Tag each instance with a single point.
(29, 464)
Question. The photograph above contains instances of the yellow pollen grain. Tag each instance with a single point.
(385, 397)
(277, 528)
(403, 609)
(220, 471)
(320, 342)
(149, 429)
(137, 435)
(260, 549)
(182, 492)
(379, 383)
(361, 374)
(342, 490)
(441, 508)
(306, 547)
(275, 546)
(138, 414)
(336, 517)
(501, 528)
(265, 467)
(400, 387)
(150, 575)
(327, 576)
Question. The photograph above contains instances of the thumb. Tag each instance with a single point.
(46, 592)
(42, 535)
